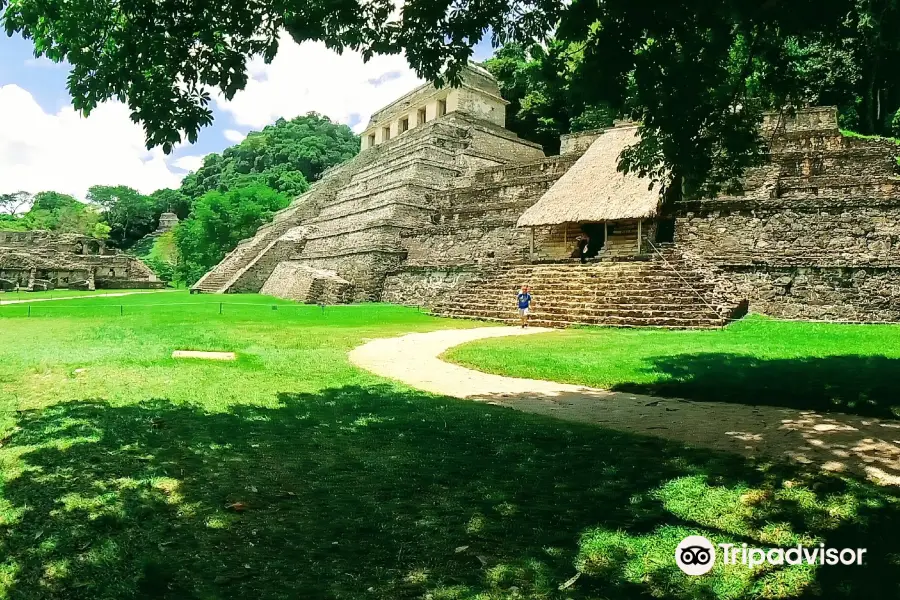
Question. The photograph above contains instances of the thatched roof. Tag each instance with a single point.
(594, 189)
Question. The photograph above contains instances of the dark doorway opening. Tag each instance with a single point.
(665, 231)
(597, 238)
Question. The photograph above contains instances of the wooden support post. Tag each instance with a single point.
(640, 222)
(531, 245)
(605, 238)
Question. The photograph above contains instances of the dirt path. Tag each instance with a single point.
(833, 442)
(84, 297)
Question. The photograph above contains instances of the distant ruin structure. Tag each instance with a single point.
(445, 208)
(41, 260)
(167, 222)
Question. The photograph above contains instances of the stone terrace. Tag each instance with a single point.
(637, 293)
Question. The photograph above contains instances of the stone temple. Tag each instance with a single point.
(445, 208)
(41, 260)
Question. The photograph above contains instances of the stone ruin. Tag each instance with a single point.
(427, 215)
(41, 260)
(167, 222)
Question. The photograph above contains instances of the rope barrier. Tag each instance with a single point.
(688, 283)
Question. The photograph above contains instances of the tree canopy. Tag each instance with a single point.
(218, 222)
(11, 204)
(682, 68)
(52, 211)
(544, 101)
(285, 156)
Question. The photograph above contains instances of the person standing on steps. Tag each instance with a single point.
(523, 299)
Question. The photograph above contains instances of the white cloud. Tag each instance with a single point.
(310, 77)
(188, 163)
(235, 136)
(68, 153)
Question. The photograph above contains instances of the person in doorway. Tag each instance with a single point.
(523, 299)
(581, 247)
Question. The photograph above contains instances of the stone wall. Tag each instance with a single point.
(577, 143)
(475, 223)
(867, 294)
(365, 269)
(425, 286)
(816, 235)
(824, 232)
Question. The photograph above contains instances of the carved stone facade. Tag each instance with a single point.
(40, 260)
(426, 213)
(477, 95)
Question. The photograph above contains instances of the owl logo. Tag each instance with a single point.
(695, 555)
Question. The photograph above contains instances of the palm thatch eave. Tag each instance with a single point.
(594, 190)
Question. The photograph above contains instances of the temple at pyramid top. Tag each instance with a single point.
(477, 94)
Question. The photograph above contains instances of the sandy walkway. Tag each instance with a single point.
(834, 442)
(84, 297)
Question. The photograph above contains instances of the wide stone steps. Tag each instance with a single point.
(600, 311)
(584, 300)
(587, 290)
(594, 316)
(655, 282)
(211, 285)
(647, 293)
(649, 322)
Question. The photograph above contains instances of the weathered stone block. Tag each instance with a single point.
(292, 280)
(42, 285)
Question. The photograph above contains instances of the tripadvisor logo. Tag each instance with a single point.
(696, 555)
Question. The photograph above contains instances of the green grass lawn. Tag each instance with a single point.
(61, 293)
(291, 474)
(825, 367)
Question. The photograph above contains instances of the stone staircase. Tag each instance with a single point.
(249, 252)
(635, 293)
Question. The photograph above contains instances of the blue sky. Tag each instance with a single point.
(46, 81)
(44, 144)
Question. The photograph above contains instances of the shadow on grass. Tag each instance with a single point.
(860, 385)
(373, 493)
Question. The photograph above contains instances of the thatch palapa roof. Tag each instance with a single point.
(594, 190)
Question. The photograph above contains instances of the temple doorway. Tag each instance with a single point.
(597, 234)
